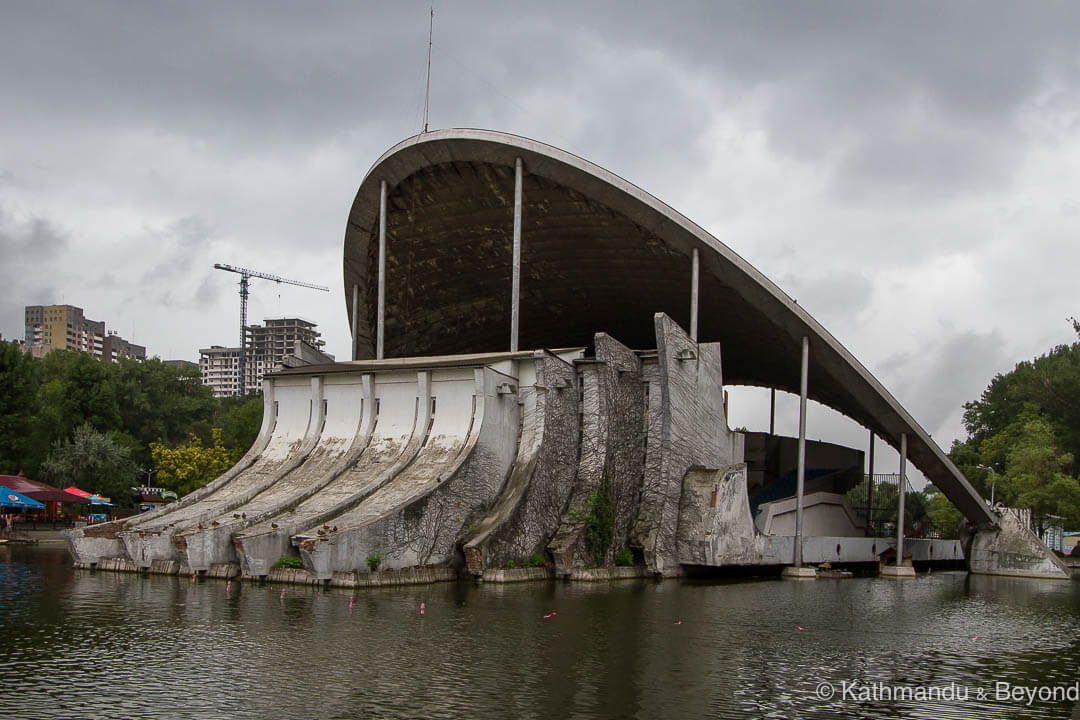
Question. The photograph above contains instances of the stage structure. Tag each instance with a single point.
(539, 355)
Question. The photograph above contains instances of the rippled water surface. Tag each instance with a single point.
(96, 645)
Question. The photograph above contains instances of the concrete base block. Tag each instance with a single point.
(164, 567)
(1013, 549)
(897, 571)
(225, 571)
(117, 564)
(391, 578)
(295, 576)
(799, 573)
(510, 575)
(603, 574)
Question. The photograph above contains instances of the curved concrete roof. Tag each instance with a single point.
(598, 254)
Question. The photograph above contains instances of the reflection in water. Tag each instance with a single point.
(81, 644)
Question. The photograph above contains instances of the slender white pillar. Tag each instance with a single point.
(801, 471)
(380, 327)
(355, 311)
(903, 491)
(772, 411)
(870, 489)
(515, 283)
(694, 296)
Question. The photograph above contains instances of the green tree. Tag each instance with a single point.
(242, 422)
(19, 380)
(945, 519)
(160, 402)
(1036, 468)
(76, 389)
(92, 461)
(191, 465)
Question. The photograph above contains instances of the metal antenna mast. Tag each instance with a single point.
(427, 90)
(244, 275)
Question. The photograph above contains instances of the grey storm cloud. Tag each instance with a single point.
(27, 250)
(905, 164)
(936, 379)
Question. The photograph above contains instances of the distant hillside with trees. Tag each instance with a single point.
(71, 419)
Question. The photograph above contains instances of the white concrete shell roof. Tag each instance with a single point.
(598, 254)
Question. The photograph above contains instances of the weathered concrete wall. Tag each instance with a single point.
(824, 513)
(296, 432)
(417, 518)
(1012, 549)
(715, 530)
(401, 421)
(612, 452)
(527, 512)
(693, 432)
(349, 417)
(715, 527)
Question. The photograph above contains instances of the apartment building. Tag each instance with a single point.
(269, 347)
(66, 327)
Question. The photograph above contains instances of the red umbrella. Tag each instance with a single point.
(39, 491)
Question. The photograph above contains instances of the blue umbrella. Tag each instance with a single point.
(12, 499)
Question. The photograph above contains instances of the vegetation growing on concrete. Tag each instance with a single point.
(374, 560)
(599, 520)
(624, 558)
(289, 561)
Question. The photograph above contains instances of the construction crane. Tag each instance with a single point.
(244, 275)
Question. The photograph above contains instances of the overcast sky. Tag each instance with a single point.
(910, 172)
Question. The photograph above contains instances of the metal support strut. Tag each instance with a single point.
(801, 473)
(694, 296)
(515, 283)
(381, 321)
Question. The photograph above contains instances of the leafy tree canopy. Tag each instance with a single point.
(92, 461)
(45, 404)
(189, 466)
(1023, 439)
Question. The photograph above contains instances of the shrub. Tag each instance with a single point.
(535, 560)
(624, 558)
(600, 523)
(289, 561)
(374, 560)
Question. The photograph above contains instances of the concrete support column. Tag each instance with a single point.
(515, 285)
(694, 263)
(772, 411)
(355, 311)
(801, 471)
(902, 491)
(870, 487)
(899, 570)
(381, 322)
(798, 571)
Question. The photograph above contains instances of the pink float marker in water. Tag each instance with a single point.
(550, 615)
(422, 606)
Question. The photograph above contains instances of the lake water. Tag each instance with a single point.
(80, 644)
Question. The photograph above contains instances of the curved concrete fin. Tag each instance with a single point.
(296, 431)
(349, 406)
(89, 544)
(448, 435)
(419, 517)
(527, 512)
(612, 453)
(397, 427)
(418, 521)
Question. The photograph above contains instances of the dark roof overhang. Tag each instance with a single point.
(599, 254)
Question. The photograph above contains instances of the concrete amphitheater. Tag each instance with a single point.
(540, 351)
